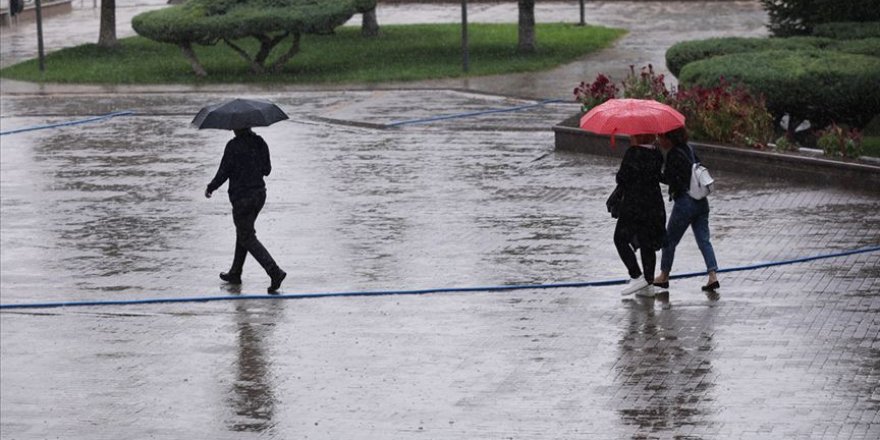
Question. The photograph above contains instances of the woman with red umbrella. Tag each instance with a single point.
(641, 223)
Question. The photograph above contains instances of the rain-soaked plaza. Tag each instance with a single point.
(115, 210)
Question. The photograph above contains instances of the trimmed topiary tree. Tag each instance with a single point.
(820, 86)
(270, 22)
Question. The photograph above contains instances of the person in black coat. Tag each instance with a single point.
(642, 219)
(245, 162)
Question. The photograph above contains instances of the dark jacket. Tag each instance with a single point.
(642, 211)
(245, 162)
(677, 171)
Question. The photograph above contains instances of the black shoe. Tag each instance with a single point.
(664, 285)
(276, 281)
(231, 278)
(711, 286)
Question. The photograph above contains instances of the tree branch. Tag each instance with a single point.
(266, 46)
(190, 55)
(294, 49)
(255, 67)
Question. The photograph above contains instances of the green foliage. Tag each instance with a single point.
(784, 144)
(848, 30)
(680, 54)
(270, 22)
(725, 113)
(401, 53)
(800, 17)
(207, 21)
(836, 141)
(820, 86)
(866, 46)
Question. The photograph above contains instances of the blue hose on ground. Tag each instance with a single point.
(68, 123)
(471, 114)
(417, 291)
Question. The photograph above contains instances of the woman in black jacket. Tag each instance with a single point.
(686, 210)
(642, 220)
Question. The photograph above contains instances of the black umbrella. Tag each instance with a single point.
(239, 113)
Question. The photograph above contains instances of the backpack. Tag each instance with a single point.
(701, 182)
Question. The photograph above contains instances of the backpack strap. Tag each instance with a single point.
(691, 156)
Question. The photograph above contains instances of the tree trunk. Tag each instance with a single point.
(526, 27)
(370, 25)
(190, 56)
(107, 34)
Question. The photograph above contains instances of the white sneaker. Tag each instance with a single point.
(634, 284)
(646, 292)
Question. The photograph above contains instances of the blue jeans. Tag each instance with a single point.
(694, 213)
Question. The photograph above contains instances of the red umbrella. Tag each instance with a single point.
(631, 116)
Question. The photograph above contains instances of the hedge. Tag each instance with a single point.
(680, 54)
(848, 30)
(865, 46)
(820, 85)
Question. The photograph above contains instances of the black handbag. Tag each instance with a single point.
(614, 201)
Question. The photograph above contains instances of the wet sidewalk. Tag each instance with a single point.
(114, 210)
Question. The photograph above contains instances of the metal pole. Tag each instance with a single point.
(464, 37)
(40, 55)
(583, 22)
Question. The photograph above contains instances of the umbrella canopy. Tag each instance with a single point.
(239, 113)
(631, 116)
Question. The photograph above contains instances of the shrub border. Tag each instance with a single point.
(790, 167)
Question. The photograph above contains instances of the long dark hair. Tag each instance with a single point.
(678, 136)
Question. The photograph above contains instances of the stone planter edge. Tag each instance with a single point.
(789, 167)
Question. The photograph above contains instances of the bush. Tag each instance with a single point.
(725, 113)
(595, 93)
(819, 86)
(848, 30)
(683, 53)
(866, 46)
(836, 141)
(645, 85)
(800, 17)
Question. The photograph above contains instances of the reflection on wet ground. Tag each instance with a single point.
(115, 210)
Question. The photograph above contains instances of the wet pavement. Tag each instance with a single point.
(114, 210)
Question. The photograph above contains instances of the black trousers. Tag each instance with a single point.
(245, 210)
(623, 238)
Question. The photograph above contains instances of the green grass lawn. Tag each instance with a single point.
(407, 52)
